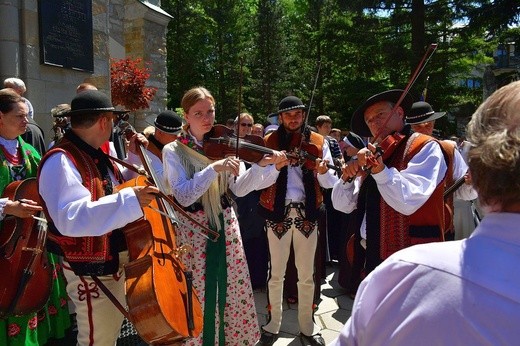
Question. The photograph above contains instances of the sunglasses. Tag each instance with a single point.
(246, 124)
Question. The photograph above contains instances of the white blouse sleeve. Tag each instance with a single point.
(3, 202)
(345, 195)
(329, 178)
(460, 168)
(254, 178)
(187, 191)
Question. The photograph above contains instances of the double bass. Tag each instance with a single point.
(162, 303)
(27, 276)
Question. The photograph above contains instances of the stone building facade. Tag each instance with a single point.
(121, 28)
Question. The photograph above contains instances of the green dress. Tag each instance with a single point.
(53, 320)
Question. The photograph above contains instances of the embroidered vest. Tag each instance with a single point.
(448, 149)
(427, 224)
(31, 159)
(86, 255)
(272, 199)
(388, 230)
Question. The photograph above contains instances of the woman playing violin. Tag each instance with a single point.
(401, 202)
(199, 184)
(20, 161)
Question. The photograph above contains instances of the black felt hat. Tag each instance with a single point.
(92, 102)
(169, 122)
(358, 124)
(422, 112)
(290, 103)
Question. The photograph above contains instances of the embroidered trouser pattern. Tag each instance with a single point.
(304, 237)
(99, 321)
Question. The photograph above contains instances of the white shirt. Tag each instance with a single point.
(295, 188)
(406, 190)
(452, 293)
(70, 206)
(11, 146)
(188, 190)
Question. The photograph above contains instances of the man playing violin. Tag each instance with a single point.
(77, 183)
(291, 206)
(399, 193)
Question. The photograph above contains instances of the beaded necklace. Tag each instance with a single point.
(12, 159)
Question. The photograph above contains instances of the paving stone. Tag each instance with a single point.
(333, 311)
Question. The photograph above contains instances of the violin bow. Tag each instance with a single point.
(305, 123)
(413, 78)
(239, 107)
(169, 203)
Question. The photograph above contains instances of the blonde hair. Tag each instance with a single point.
(494, 159)
(193, 96)
(245, 116)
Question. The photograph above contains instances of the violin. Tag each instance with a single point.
(388, 145)
(307, 153)
(221, 142)
(384, 149)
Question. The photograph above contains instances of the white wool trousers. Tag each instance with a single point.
(304, 251)
(99, 321)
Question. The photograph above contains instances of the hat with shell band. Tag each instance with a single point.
(169, 122)
(290, 103)
(422, 112)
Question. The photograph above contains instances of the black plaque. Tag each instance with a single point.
(66, 34)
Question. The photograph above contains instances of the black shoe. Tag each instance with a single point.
(313, 340)
(267, 339)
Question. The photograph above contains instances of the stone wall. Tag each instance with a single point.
(145, 37)
(48, 85)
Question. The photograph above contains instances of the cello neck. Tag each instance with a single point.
(128, 130)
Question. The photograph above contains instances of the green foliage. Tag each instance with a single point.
(250, 54)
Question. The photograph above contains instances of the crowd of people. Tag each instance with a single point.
(391, 207)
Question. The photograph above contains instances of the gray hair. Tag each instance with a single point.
(494, 159)
(15, 83)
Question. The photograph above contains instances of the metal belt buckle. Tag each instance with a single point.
(296, 205)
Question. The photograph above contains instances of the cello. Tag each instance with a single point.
(27, 283)
(162, 303)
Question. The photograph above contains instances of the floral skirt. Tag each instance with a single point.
(50, 322)
(240, 318)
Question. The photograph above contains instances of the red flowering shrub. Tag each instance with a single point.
(128, 81)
